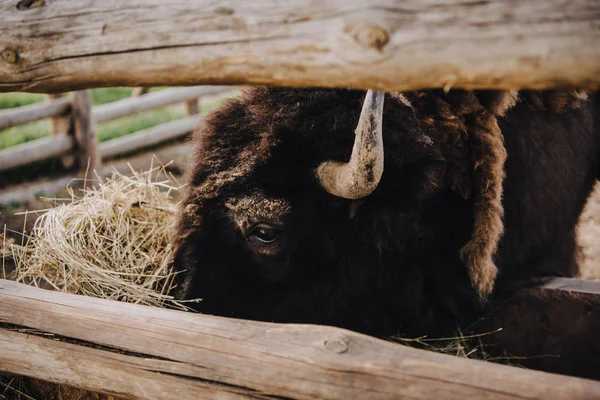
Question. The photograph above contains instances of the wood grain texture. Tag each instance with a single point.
(382, 44)
(150, 353)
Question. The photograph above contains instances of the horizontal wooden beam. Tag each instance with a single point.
(133, 105)
(150, 353)
(63, 45)
(148, 137)
(36, 150)
(573, 285)
(21, 115)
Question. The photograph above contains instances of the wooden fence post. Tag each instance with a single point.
(84, 125)
(59, 125)
(138, 91)
(191, 106)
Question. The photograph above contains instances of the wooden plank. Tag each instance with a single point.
(36, 150)
(115, 374)
(33, 112)
(84, 125)
(383, 44)
(60, 124)
(132, 105)
(573, 285)
(205, 356)
(29, 191)
(148, 137)
(22, 193)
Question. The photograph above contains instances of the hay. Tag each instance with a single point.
(462, 346)
(113, 242)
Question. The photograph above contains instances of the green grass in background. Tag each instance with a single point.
(105, 131)
(10, 100)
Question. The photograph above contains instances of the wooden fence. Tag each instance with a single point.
(82, 138)
(73, 122)
(143, 352)
(383, 44)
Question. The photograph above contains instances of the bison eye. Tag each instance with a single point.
(264, 233)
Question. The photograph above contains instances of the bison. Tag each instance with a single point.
(388, 214)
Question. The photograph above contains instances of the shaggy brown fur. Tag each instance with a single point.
(417, 255)
(466, 125)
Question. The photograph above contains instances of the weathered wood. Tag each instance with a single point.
(33, 112)
(97, 370)
(148, 137)
(60, 125)
(383, 44)
(201, 356)
(36, 150)
(84, 126)
(132, 105)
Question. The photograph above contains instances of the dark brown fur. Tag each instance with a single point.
(550, 330)
(417, 255)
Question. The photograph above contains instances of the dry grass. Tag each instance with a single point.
(112, 242)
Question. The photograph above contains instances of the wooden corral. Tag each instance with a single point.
(74, 124)
(142, 352)
(80, 109)
(63, 45)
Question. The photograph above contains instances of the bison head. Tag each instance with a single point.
(288, 216)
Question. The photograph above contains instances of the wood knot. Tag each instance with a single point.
(30, 4)
(338, 346)
(9, 55)
(372, 36)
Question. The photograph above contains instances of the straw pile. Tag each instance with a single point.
(113, 242)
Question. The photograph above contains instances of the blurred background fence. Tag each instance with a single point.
(85, 130)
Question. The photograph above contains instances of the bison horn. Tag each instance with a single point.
(360, 176)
